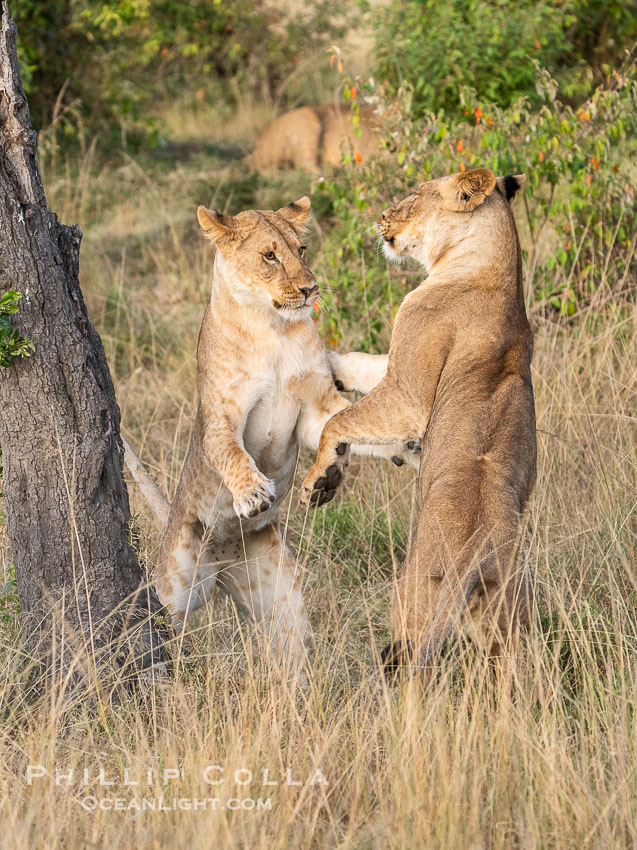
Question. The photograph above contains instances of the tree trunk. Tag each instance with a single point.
(79, 582)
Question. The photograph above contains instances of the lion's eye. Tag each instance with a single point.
(302, 252)
(270, 256)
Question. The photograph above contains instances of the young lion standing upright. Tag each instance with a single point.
(264, 386)
(459, 377)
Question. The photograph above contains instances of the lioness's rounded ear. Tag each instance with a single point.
(216, 226)
(297, 214)
(468, 189)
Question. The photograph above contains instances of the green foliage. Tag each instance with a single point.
(437, 46)
(349, 534)
(113, 61)
(11, 343)
(579, 198)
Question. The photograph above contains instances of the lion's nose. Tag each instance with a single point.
(308, 292)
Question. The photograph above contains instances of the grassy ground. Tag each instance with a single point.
(546, 759)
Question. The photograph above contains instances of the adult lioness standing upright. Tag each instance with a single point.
(459, 377)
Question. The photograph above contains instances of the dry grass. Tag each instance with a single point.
(545, 759)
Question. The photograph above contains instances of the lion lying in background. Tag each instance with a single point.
(459, 377)
(313, 137)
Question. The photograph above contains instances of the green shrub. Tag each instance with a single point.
(579, 199)
(12, 345)
(115, 60)
(437, 46)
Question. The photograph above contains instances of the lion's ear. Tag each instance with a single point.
(468, 189)
(511, 185)
(297, 214)
(217, 226)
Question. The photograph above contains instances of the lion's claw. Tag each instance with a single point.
(325, 486)
(321, 497)
(256, 501)
(409, 452)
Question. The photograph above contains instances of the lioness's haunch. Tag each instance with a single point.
(265, 386)
(459, 378)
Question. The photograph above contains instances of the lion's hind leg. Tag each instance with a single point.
(187, 568)
(265, 586)
(503, 608)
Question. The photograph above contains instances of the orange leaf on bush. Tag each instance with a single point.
(358, 156)
(478, 113)
(352, 92)
(462, 166)
(460, 146)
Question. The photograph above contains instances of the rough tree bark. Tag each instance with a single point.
(66, 501)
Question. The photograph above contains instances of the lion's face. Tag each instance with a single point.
(265, 261)
(440, 213)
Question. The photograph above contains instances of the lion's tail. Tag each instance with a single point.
(153, 495)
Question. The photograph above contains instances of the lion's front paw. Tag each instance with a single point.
(321, 482)
(255, 501)
(410, 454)
(335, 361)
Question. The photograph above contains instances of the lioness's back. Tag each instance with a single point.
(312, 137)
